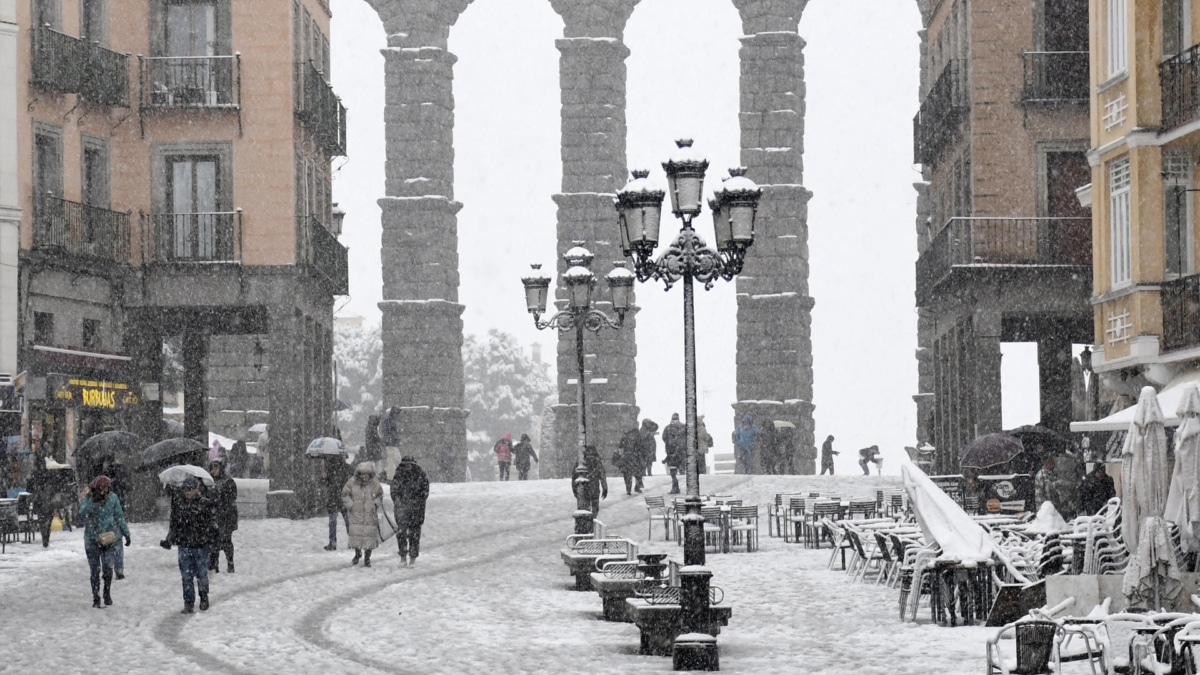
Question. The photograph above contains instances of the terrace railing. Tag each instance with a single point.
(1053, 77)
(194, 237)
(1179, 81)
(942, 113)
(60, 225)
(1181, 313)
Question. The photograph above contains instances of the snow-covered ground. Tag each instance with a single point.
(489, 594)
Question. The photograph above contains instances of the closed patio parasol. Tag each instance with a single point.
(989, 450)
(1183, 498)
(1152, 576)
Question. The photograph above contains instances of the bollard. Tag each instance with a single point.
(695, 651)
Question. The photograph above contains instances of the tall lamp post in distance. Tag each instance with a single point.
(579, 315)
(688, 258)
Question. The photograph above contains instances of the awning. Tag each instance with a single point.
(1168, 400)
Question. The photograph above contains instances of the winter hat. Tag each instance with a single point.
(100, 483)
(507, 436)
(408, 459)
(524, 437)
(674, 417)
(365, 467)
(188, 483)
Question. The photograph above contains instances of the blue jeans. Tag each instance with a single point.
(118, 554)
(99, 557)
(193, 563)
(333, 516)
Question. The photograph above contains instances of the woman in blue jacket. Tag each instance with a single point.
(105, 519)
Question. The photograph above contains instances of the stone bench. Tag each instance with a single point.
(661, 621)
(622, 580)
(589, 555)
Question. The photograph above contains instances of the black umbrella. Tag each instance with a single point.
(1031, 435)
(108, 445)
(989, 450)
(168, 451)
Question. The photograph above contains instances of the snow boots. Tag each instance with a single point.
(203, 602)
(331, 546)
(96, 601)
(188, 609)
(367, 558)
(229, 567)
(357, 556)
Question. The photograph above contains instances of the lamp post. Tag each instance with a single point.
(579, 315)
(689, 259)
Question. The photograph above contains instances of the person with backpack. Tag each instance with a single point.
(522, 452)
(504, 454)
(410, 491)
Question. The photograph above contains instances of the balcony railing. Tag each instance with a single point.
(942, 113)
(1052, 77)
(1181, 313)
(1179, 80)
(325, 254)
(70, 65)
(1003, 242)
(194, 237)
(320, 110)
(191, 81)
(78, 229)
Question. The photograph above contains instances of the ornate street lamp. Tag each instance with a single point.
(579, 315)
(688, 258)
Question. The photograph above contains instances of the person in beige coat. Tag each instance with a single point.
(363, 497)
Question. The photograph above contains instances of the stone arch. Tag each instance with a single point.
(422, 318)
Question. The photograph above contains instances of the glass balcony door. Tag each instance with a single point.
(194, 207)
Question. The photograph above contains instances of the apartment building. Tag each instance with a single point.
(1145, 143)
(174, 169)
(1005, 246)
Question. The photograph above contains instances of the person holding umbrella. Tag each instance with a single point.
(191, 528)
(362, 498)
(410, 490)
(224, 495)
(105, 523)
(335, 473)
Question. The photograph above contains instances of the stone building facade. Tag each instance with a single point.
(422, 324)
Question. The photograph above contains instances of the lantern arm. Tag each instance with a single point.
(592, 320)
(689, 255)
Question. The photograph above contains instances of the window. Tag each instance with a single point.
(93, 21)
(191, 28)
(1176, 19)
(95, 180)
(91, 333)
(47, 13)
(1119, 221)
(193, 198)
(193, 202)
(1118, 35)
(47, 169)
(43, 328)
(1062, 25)
(1178, 239)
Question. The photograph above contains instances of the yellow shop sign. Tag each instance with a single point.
(96, 393)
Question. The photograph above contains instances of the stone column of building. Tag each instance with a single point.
(774, 343)
(986, 380)
(286, 443)
(592, 86)
(422, 326)
(195, 385)
(1054, 373)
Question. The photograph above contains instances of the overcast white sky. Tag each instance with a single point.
(861, 72)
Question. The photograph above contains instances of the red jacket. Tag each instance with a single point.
(503, 450)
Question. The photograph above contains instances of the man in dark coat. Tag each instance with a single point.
(596, 487)
(827, 453)
(334, 475)
(1095, 490)
(224, 494)
(43, 485)
(192, 518)
(410, 490)
(647, 447)
(675, 443)
(522, 451)
(628, 460)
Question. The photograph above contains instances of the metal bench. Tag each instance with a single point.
(589, 555)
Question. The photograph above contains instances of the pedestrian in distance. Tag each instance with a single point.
(522, 452)
(372, 449)
(704, 441)
(120, 486)
(224, 494)
(1095, 490)
(745, 444)
(191, 531)
(410, 491)
(504, 454)
(675, 443)
(46, 500)
(866, 456)
(239, 458)
(104, 526)
(628, 460)
(595, 487)
(334, 474)
(827, 453)
(647, 446)
(362, 497)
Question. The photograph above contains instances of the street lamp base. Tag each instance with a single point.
(696, 651)
(584, 522)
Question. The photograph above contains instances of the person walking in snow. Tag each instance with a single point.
(866, 456)
(224, 494)
(647, 447)
(104, 521)
(504, 454)
(522, 451)
(362, 497)
(410, 491)
(44, 488)
(704, 441)
(745, 444)
(675, 442)
(334, 474)
(628, 460)
(827, 453)
(596, 486)
(192, 518)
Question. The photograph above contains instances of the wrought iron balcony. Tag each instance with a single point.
(1055, 77)
(193, 237)
(1002, 243)
(325, 254)
(72, 228)
(1179, 80)
(1181, 313)
(70, 65)
(942, 113)
(191, 81)
(320, 110)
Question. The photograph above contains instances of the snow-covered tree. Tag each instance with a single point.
(358, 351)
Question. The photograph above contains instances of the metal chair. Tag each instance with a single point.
(656, 509)
(744, 520)
(1034, 651)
